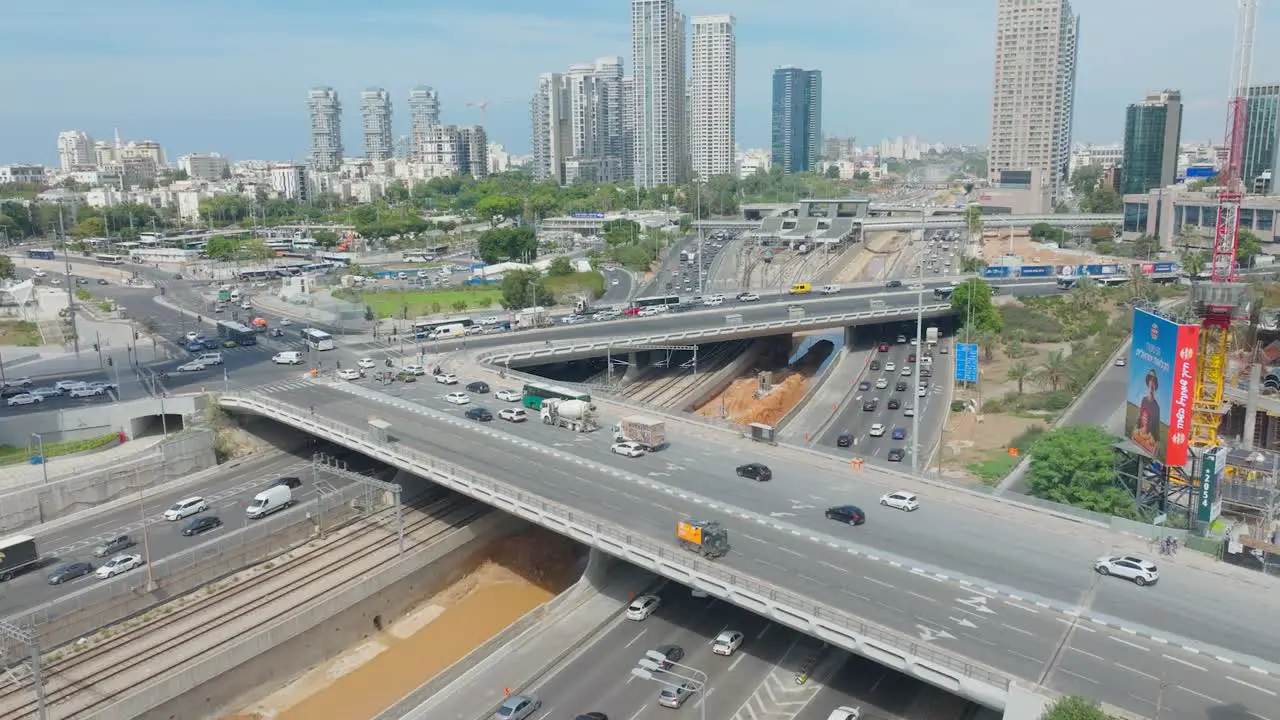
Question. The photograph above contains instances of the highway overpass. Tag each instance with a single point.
(942, 222)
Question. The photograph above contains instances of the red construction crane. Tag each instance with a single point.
(1222, 267)
(484, 106)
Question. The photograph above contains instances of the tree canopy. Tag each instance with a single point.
(523, 289)
(1076, 466)
(499, 244)
(971, 300)
(1074, 707)
(7, 271)
(1092, 194)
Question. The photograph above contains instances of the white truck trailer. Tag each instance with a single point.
(647, 432)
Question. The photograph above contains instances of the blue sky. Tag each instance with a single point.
(231, 75)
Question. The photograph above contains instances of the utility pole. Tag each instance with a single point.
(71, 291)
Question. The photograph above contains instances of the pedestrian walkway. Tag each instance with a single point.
(17, 476)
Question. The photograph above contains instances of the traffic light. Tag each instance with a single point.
(109, 361)
(135, 335)
(162, 291)
(96, 348)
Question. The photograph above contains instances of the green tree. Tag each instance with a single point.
(971, 300)
(7, 271)
(495, 208)
(1019, 372)
(396, 192)
(1053, 373)
(620, 232)
(1194, 262)
(560, 265)
(220, 247)
(1074, 707)
(1085, 180)
(253, 249)
(89, 228)
(524, 288)
(1102, 200)
(1247, 247)
(1076, 466)
(498, 244)
(325, 238)
(459, 305)
(973, 219)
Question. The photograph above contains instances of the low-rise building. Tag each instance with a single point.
(1165, 212)
(22, 173)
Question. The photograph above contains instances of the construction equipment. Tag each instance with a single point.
(646, 432)
(708, 538)
(576, 415)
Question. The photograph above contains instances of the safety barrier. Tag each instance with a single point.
(893, 649)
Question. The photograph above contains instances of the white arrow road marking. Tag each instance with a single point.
(978, 603)
(781, 514)
(928, 634)
(962, 622)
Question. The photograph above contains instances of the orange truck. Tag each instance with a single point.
(708, 538)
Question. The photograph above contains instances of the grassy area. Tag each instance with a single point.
(993, 469)
(10, 455)
(567, 286)
(398, 303)
(19, 333)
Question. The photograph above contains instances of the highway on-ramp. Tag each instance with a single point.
(1008, 588)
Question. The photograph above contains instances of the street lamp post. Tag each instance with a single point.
(146, 534)
(655, 667)
(915, 416)
(44, 461)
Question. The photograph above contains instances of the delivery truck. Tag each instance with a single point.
(646, 432)
(708, 538)
(17, 555)
(931, 335)
(276, 497)
(576, 415)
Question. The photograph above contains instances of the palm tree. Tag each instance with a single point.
(1085, 295)
(1019, 372)
(1193, 262)
(987, 340)
(1053, 373)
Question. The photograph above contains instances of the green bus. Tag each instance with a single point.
(535, 393)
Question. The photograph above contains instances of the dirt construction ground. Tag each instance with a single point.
(1032, 253)
(870, 261)
(511, 577)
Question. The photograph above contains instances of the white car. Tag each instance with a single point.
(748, 297)
(882, 384)
(447, 379)
(366, 363)
(513, 414)
(844, 712)
(1120, 362)
(509, 395)
(25, 399)
(192, 336)
(65, 385)
(457, 398)
(890, 367)
(414, 369)
(643, 606)
(877, 430)
(906, 371)
(118, 564)
(193, 366)
(648, 312)
(285, 322)
(922, 392)
(901, 500)
(726, 642)
(1141, 572)
(86, 391)
(628, 449)
(349, 374)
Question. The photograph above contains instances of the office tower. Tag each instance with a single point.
(628, 127)
(797, 119)
(713, 96)
(609, 128)
(657, 52)
(424, 112)
(549, 120)
(1262, 138)
(326, 129)
(576, 121)
(1152, 131)
(375, 116)
(75, 151)
(1034, 90)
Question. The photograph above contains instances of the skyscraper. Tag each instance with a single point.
(549, 123)
(326, 129)
(424, 112)
(628, 127)
(797, 119)
(75, 150)
(1152, 131)
(375, 114)
(1033, 97)
(576, 119)
(714, 96)
(658, 67)
(1262, 138)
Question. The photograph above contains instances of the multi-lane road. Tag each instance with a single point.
(1010, 589)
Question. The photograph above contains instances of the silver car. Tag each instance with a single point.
(517, 707)
(673, 696)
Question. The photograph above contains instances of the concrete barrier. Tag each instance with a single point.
(80, 423)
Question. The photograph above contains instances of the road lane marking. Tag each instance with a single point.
(879, 582)
(1238, 681)
(1018, 629)
(1023, 656)
(764, 630)
(1149, 676)
(1086, 652)
(735, 662)
(863, 598)
(1132, 645)
(636, 638)
(1075, 624)
(1023, 608)
(1180, 661)
(1213, 700)
(926, 598)
(833, 566)
(1078, 675)
(789, 551)
(766, 563)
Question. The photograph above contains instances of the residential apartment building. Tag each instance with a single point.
(576, 121)
(75, 151)
(713, 96)
(452, 150)
(424, 112)
(326, 129)
(209, 168)
(1262, 138)
(21, 173)
(797, 119)
(291, 181)
(628, 127)
(1108, 156)
(1152, 133)
(1033, 94)
(549, 122)
(375, 116)
(658, 69)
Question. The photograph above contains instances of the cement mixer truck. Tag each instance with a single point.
(576, 415)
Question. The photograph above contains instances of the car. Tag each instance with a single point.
(479, 387)
(509, 395)
(844, 439)
(457, 398)
(515, 415)
(407, 377)
(890, 367)
(113, 545)
(447, 379)
(864, 385)
(65, 385)
(218, 308)
(727, 642)
(200, 525)
(902, 339)
(884, 347)
(896, 455)
(922, 391)
(844, 712)
(119, 564)
(755, 471)
(900, 386)
(517, 707)
(894, 404)
(1141, 572)
(366, 363)
(672, 653)
(292, 483)
(25, 399)
(875, 364)
(893, 284)
(193, 366)
(285, 322)
(851, 514)
(414, 369)
(17, 382)
(870, 405)
(748, 297)
(673, 696)
(628, 449)
(186, 508)
(478, 414)
(45, 392)
(943, 349)
(192, 336)
(213, 344)
(909, 410)
(643, 606)
(901, 500)
(102, 282)
(911, 358)
(594, 715)
(899, 433)
(195, 346)
(349, 374)
(69, 572)
(926, 373)
(1120, 362)
(877, 430)
(882, 383)
(11, 391)
(906, 372)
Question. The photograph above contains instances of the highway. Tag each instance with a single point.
(968, 577)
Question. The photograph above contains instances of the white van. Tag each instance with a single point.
(235, 295)
(276, 497)
(288, 357)
(185, 508)
(444, 332)
(829, 289)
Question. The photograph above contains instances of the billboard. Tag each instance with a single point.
(996, 271)
(967, 362)
(1200, 171)
(1162, 384)
(587, 215)
(1211, 473)
(1036, 271)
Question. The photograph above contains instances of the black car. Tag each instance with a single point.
(900, 386)
(102, 282)
(672, 653)
(845, 440)
(894, 404)
(292, 483)
(478, 387)
(592, 716)
(479, 414)
(896, 455)
(870, 405)
(851, 514)
(202, 524)
(68, 572)
(864, 385)
(755, 471)
(11, 391)
(875, 364)
(893, 284)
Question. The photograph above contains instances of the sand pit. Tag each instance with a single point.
(1033, 253)
(739, 404)
(870, 261)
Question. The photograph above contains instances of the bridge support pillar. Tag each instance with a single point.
(1251, 405)
(850, 336)
(599, 566)
(634, 360)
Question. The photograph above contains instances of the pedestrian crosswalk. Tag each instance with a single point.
(281, 386)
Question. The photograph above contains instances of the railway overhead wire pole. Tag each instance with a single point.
(21, 649)
(326, 469)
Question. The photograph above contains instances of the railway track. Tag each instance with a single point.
(662, 391)
(82, 685)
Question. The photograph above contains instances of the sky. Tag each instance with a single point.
(231, 76)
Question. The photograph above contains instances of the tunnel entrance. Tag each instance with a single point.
(155, 425)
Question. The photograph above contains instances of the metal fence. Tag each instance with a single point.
(567, 519)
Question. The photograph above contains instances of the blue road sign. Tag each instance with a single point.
(967, 362)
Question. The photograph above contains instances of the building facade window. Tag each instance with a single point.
(1135, 217)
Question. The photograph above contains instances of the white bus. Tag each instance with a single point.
(109, 259)
(317, 339)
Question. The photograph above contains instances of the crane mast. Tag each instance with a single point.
(1222, 266)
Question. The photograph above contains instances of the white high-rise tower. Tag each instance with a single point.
(375, 116)
(326, 129)
(424, 113)
(75, 150)
(713, 96)
(658, 69)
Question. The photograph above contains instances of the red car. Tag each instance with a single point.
(884, 347)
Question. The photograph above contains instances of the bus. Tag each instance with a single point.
(944, 292)
(535, 393)
(41, 254)
(236, 332)
(655, 300)
(423, 328)
(109, 259)
(317, 339)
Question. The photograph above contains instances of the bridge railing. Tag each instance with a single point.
(604, 535)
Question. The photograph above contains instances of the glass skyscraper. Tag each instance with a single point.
(797, 119)
(1152, 131)
(1262, 138)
